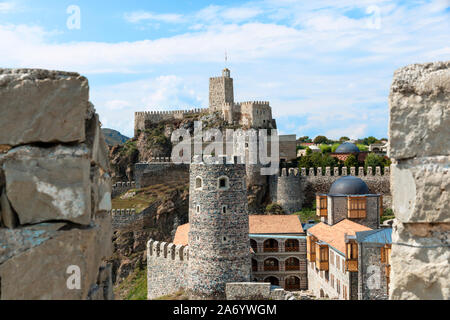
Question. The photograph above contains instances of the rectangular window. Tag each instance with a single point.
(345, 292)
(356, 207)
(351, 262)
(332, 281)
(321, 206)
(311, 248)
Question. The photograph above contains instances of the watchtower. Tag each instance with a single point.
(221, 91)
(219, 246)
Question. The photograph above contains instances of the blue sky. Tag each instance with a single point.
(325, 66)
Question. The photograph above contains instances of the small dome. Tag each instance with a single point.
(347, 147)
(349, 185)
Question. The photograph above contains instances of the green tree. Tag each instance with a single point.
(320, 140)
(344, 138)
(325, 148)
(374, 160)
(334, 147)
(305, 139)
(351, 161)
(370, 140)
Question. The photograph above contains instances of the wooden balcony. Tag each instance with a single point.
(255, 268)
(271, 268)
(292, 268)
(351, 265)
(270, 249)
(292, 249)
(311, 256)
(322, 265)
(292, 287)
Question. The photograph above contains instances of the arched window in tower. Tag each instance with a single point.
(198, 183)
(223, 183)
(197, 209)
(224, 209)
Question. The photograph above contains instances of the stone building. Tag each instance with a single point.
(328, 274)
(349, 198)
(278, 243)
(278, 246)
(338, 250)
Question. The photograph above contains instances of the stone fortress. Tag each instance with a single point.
(289, 188)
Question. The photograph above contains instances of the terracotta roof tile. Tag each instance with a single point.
(259, 224)
(335, 235)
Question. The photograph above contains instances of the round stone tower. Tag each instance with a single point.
(286, 190)
(219, 246)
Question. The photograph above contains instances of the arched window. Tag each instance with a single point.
(270, 245)
(292, 264)
(198, 183)
(273, 281)
(223, 183)
(292, 283)
(271, 264)
(291, 245)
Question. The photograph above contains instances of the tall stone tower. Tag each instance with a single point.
(221, 91)
(219, 246)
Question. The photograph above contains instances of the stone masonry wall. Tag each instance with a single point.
(371, 272)
(152, 173)
(55, 189)
(167, 266)
(419, 131)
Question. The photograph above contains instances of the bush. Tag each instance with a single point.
(351, 161)
(274, 208)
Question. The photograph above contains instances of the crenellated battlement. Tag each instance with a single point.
(261, 103)
(143, 117)
(168, 251)
(335, 172)
(123, 212)
(149, 114)
(120, 187)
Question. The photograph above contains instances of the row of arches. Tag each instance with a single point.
(272, 245)
(290, 283)
(272, 264)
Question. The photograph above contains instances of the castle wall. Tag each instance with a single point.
(255, 291)
(320, 182)
(153, 173)
(167, 266)
(419, 145)
(119, 188)
(143, 119)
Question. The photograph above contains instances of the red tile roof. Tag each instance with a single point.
(335, 235)
(258, 224)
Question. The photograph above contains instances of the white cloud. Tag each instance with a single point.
(139, 16)
(311, 59)
(7, 6)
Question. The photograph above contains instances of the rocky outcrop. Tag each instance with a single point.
(55, 187)
(419, 131)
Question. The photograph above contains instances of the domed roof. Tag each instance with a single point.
(349, 185)
(347, 147)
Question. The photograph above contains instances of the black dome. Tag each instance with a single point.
(347, 147)
(349, 185)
